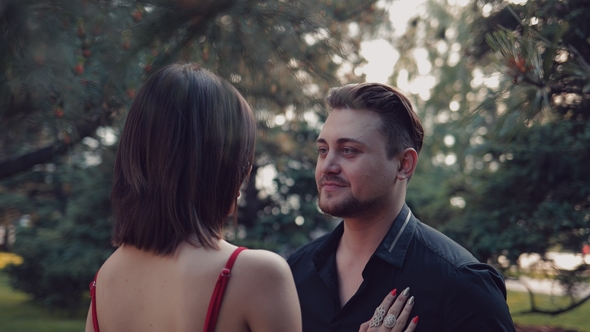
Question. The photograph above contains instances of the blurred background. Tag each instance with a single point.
(502, 88)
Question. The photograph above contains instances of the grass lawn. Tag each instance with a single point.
(18, 315)
(578, 319)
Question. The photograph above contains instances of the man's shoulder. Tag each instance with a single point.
(442, 247)
(473, 293)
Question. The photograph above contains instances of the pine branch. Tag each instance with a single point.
(12, 166)
(9, 167)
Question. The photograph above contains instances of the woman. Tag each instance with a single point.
(186, 148)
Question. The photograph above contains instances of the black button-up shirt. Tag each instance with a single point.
(453, 291)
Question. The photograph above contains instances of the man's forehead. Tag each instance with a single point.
(350, 125)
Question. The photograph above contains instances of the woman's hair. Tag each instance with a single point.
(186, 148)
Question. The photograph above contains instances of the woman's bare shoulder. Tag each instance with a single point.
(262, 263)
(268, 282)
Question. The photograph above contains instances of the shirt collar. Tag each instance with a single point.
(392, 249)
(395, 244)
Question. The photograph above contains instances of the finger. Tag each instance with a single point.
(364, 327)
(399, 303)
(403, 317)
(412, 325)
(381, 310)
(388, 300)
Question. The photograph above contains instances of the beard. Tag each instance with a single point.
(350, 206)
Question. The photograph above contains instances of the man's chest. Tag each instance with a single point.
(321, 297)
(326, 289)
(350, 278)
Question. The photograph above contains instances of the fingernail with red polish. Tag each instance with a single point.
(415, 320)
(394, 292)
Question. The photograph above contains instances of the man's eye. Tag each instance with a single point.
(347, 151)
(322, 150)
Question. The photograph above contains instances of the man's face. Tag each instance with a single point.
(353, 174)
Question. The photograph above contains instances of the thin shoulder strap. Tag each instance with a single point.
(93, 303)
(217, 297)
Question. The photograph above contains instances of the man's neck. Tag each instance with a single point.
(363, 235)
(359, 241)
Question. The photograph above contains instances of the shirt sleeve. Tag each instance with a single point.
(476, 301)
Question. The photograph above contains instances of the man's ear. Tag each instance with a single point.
(407, 164)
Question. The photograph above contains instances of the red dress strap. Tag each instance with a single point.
(217, 297)
(93, 303)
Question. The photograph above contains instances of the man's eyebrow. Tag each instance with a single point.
(341, 141)
(320, 140)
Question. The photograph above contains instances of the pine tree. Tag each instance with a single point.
(521, 83)
(539, 199)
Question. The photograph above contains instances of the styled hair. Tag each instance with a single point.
(401, 124)
(185, 150)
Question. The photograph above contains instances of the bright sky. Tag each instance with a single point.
(381, 56)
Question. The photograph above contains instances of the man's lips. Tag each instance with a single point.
(331, 185)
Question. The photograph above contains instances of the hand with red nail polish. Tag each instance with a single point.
(393, 314)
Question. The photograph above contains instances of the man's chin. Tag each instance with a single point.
(328, 209)
(339, 210)
(347, 208)
(334, 214)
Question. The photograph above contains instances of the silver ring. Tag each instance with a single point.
(389, 321)
(377, 317)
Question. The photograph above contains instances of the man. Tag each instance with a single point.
(367, 152)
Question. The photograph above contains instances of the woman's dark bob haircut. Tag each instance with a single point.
(186, 148)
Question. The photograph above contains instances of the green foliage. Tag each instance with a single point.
(539, 197)
(511, 96)
(75, 65)
(56, 83)
(61, 252)
(536, 200)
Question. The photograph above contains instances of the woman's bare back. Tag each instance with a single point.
(139, 291)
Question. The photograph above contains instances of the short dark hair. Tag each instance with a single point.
(185, 150)
(401, 124)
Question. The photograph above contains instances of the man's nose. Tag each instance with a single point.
(330, 164)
